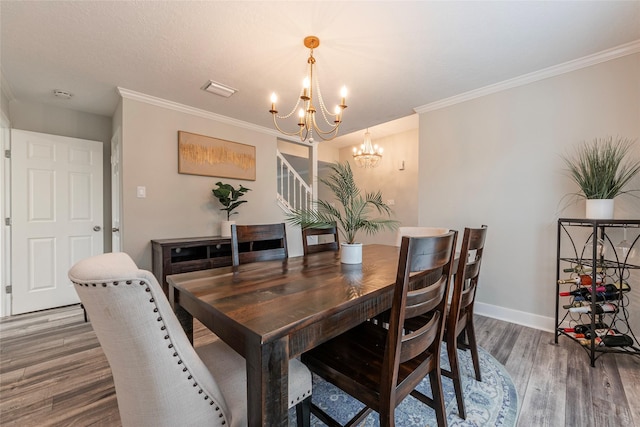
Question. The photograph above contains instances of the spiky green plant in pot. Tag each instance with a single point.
(600, 170)
(355, 211)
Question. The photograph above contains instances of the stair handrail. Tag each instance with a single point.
(296, 196)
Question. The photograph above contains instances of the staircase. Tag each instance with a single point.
(293, 192)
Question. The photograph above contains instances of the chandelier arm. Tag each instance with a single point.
(326, 138)
(320, 131)
(299, 132)
(322, 137)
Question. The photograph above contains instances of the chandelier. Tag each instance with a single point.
(368, 155)
(310, 94)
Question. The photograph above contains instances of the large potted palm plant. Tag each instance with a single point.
(354, 214)
(601, 171)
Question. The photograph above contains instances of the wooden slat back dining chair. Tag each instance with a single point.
(410, 231)
(263, 242)
(460, 318)
(418, 232)
(330, 233)
(380, 366)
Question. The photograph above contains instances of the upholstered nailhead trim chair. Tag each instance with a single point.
(160, 379)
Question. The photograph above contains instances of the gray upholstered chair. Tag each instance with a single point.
(160, 379)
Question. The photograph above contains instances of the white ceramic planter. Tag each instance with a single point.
(225, 228)
(351, 253)
(599, 209)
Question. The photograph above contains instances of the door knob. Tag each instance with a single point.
(115, 229)
(97, 228)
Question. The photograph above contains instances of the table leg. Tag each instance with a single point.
(268, 384)
(184, 317)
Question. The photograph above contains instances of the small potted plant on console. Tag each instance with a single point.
(228, 196)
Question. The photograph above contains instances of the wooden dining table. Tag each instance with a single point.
(270, 312)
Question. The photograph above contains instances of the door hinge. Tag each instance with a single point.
(7, 221)
(8, 289)
(7, 154)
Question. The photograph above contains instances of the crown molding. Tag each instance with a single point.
(556, 70)
(182, 108)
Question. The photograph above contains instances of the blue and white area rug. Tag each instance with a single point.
(491, 402)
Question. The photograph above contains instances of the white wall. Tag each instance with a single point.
(326, 152)
(4, 101)
(399, 187)
(179, 205)
(496, 160)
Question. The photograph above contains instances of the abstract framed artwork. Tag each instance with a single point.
(207, 156)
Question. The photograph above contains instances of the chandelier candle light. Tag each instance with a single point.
(368, 155)
(307, 111)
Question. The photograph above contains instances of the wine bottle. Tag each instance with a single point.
(600, 333)
(582, 279)
(609, 288)
(604, 296)
(581, 269)
(621, 286)
(581, 329)
(577, 303)
(587, 341)
(610, 291)
(600, 308)
(617, 340)
(582, 292)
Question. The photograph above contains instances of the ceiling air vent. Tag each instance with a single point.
(219, 89)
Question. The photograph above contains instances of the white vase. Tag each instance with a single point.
(225, 228)
(599, 209)
(351, 253)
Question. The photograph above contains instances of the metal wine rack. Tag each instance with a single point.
(599, 253)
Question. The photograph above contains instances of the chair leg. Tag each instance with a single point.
(438, 400)
(387, 417)
(461, 342)
(452, 352)
(303, 413)
(471, 335)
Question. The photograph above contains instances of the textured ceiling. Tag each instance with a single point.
(393, 56)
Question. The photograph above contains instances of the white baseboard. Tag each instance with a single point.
(514, 316)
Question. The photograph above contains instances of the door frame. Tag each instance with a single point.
(5, 210)
(116, 191)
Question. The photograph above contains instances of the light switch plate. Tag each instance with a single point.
(141, 192)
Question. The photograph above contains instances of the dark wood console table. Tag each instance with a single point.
(172, 256)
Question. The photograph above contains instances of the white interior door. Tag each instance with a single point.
(56, 216)
(115, 193)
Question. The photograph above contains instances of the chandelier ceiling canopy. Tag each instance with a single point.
(309, 103)
(368, 155)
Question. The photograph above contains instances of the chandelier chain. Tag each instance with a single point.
(295, 107)
(323, 107)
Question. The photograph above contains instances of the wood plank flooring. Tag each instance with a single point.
(53, 373)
